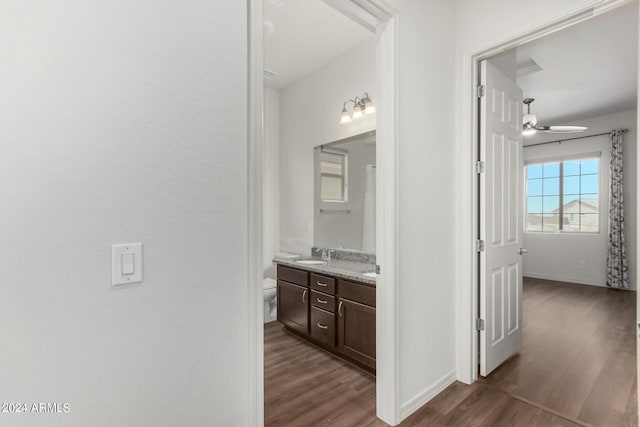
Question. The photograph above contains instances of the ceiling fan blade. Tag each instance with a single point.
(561, 129)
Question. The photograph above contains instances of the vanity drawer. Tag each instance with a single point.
(323, 326)
(323, 301)
(323, 284)
(358, 292)
(291, 275)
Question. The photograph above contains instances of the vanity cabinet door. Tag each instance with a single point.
(357, 331)
(293, 306)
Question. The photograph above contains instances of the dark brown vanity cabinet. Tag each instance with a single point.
(337, 314)
(323, 305)
(357, 322)
(293, 299)
(293, 306)
(323, 326)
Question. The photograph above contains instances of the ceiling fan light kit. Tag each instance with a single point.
(528, 129)
(530, 123)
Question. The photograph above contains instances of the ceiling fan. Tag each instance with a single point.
(530, 123)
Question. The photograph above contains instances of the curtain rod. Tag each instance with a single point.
(571, 139)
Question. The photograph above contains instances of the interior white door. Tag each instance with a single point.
(501, 192)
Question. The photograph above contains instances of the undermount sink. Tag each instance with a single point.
(310, 262)
(370, 274)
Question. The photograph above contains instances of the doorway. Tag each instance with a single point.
(380, 18)
(539, 344)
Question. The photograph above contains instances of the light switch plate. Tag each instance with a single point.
(126, 263)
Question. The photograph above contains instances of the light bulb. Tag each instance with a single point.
(528, 129)
(357, 113)
(345, 118)
(530, 118)
(369, 108)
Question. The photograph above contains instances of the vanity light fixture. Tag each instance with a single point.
(345, 118)
(369, 108)
(361, 105)
(357, 112)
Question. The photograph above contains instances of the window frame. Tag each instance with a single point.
(561, 160)
(344, 176)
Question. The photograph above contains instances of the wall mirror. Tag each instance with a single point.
(345, 193)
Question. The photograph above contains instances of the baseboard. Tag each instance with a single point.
(565, 279)
(426, 395)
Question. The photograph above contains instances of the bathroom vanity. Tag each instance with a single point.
(331, 304)
(329, 298)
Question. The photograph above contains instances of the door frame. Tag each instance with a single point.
(381, 17)
(467, 303)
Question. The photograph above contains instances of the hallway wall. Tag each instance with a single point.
(124, 121)
(426, 177)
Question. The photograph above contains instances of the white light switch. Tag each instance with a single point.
(126, 263)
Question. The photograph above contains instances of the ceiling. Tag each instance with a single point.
(300, 36)
(589, 69)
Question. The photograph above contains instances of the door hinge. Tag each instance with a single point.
(479, 166)
(480, 91)
(479, 245)
(377, 269)
(480, 324)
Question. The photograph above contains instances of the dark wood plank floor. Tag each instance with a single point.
(577, 367)
(578, 355)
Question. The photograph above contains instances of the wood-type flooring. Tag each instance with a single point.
(577, 367)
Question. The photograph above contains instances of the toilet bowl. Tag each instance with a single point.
(270, 287)
(270, 291)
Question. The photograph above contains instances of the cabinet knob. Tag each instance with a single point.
(321, 301)
(324, 285)
(304, 294)
(321, 326)
(340, 308)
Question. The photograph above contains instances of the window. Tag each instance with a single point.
(333, 176)
(563, 196)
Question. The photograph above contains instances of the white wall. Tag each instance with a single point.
(271, 196)
(507, 63)
(557, 256)
(309, 115)
(124, 121)
(481, 25)
(426, 176)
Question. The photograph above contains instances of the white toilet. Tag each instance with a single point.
(269, 285)
(271, 289)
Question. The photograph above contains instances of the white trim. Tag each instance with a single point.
(564, 158)
(566, 279)
(371, 14)
(467, 285)
(355, 12)
(255, 107)
(387, 322)
(426, 395)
